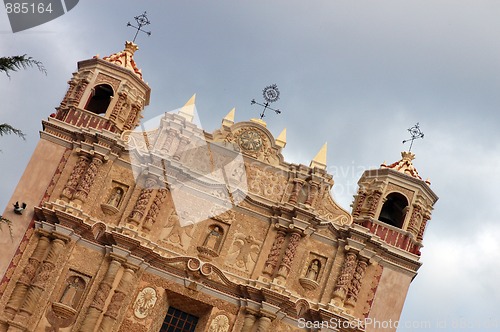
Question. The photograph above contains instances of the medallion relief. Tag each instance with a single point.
(145, 302)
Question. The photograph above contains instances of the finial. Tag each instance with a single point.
(415, 134)
(281, 140)
(271, 94)
(141, 20)
(320, 160)
(229, 118)
(187, 111)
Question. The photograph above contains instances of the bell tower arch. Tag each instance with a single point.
(107, 93)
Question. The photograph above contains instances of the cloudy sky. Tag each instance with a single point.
(356, 74)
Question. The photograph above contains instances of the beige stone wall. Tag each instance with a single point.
(389, 299)
(31, 189)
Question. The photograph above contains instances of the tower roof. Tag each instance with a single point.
(125, 58)
(405, 166)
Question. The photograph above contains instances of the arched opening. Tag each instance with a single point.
(394, 210)
(100, 99)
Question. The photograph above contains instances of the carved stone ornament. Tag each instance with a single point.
(145, 302)
(308, 284)
(219, 324)
(109, 209)
(250, 140)
(59, 316)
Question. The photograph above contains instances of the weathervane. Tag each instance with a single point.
(271, 94)
(415, 133)
(141, 20)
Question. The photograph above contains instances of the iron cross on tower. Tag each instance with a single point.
(141, 20)
(415, 133)
(271, 94)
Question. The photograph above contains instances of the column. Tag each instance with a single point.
(79, 92)
(76, 174)
(345, 277)
(263, 324)
(298, 183)
(122, 98)
(132, 117)
(355, 286)
(139, 209)
(313, 192)
(71, 89)
(39, 282)
(423, 224)
(87, 180)
(272, 258)
(95, 309)
(415, 220)
(181, 148)
(360, 199)
(22, 285)
(248, 322)
(154, 209)
(117, 300)
(375, 201)
(286, 263)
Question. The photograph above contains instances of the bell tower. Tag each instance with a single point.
(394, 203)
(107, 93)
(391, 209)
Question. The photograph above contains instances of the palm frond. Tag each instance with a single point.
(7, 129)
(16, 62)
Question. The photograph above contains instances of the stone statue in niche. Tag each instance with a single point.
(115, 197)
(73, 291)
(313, 270)
(213, 239)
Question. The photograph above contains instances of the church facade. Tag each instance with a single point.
(171, 228)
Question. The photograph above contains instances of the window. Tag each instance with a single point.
(100, 99)
(394, 210)
(178, 321)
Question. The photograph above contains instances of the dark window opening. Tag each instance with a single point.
(394, 210)
(178, 321)
(100, 99)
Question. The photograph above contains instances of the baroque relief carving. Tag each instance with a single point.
(219, 324)
(145, 302)
(274, 254)
(174, 233)
(244, 252)
(266, 183)
(330, 211)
